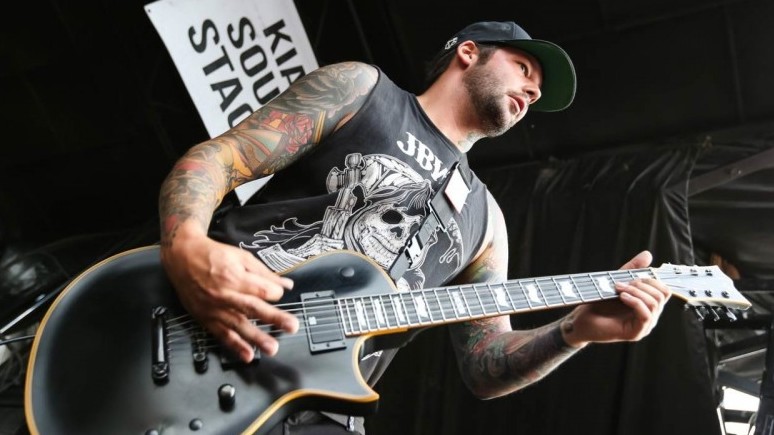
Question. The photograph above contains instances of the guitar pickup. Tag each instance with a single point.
(324, 329)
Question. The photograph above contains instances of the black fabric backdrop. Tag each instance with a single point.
(588, 214)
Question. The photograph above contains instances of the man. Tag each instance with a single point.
(355, 161)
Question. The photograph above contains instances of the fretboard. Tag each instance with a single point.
(434, 306)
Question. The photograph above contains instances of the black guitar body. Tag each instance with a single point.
(117, 354)
(90, 367)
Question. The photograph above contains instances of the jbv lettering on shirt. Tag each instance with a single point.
(423, 155)
(253, 60)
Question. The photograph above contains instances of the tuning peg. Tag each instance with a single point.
(701, 312)
(730, 315)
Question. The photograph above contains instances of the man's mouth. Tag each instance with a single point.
(518, 102)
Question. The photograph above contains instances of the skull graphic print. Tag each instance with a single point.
(380, 202)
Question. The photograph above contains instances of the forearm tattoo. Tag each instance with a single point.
(267, 141)
(495, 362)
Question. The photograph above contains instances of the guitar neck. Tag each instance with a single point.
(437, 306)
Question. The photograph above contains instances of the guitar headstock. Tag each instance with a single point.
(702, 286)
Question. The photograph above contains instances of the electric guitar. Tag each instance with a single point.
(116, 353)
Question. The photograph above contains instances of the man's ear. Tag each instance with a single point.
(467, 53)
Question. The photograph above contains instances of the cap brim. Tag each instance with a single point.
(559, 82)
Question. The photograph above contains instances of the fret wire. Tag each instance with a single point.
(589, 287)
(577, 287)
(417, 306)
(480, 301)
(494, 298)
(428, 306)
(349, 315)
(490, 295)
(596, 286)
(610, 282)
(429, 302)
(377, 313)
(559, 291)
(370, 320)
(358, 302)
(576, 292)
(465, 301)
(524, 292)
(405, 309)
(418, 295)
(413, 300)
(385, 309)
(451, 303)
(627, 275)
(360, 313)
(541, 292)
(624, 275)
(440, 305)
(508, 293)
(364, 304)
(414, 304)
(400, 310)
(396, 308)
(343, 319)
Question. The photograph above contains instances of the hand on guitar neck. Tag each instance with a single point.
(224, 287)
(629, 318)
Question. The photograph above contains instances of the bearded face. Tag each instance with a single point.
(486, 91)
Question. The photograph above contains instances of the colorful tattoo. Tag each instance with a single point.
(496, 362)
(267, 141)
(493, 358)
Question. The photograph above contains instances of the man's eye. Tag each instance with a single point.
(524, 68)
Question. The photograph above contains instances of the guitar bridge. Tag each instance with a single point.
(160, 362)
(323, 326)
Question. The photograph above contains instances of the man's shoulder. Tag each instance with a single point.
(350, 68)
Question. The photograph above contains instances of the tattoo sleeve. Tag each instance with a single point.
(267, 141)
(495, 360)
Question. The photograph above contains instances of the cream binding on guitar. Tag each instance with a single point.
(116, 353)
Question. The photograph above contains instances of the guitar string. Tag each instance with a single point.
(588, 287)
(333, 319)
(324, 307)
(485, 306)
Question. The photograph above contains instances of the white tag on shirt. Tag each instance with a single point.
(457, 191)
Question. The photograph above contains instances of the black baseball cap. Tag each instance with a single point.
(558, 88)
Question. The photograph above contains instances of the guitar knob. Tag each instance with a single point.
(227, 397)
(347, 272)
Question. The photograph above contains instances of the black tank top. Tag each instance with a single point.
(364, 188)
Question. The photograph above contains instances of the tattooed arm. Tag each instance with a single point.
(495, 360)
(223, 286)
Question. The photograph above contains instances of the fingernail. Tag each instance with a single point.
(270, 347)
(287, 283)
(290, 325)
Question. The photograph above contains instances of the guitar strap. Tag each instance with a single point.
(441, 209)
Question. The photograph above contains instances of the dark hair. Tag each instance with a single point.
(443, 58)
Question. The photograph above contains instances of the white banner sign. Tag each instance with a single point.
(234, 56)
